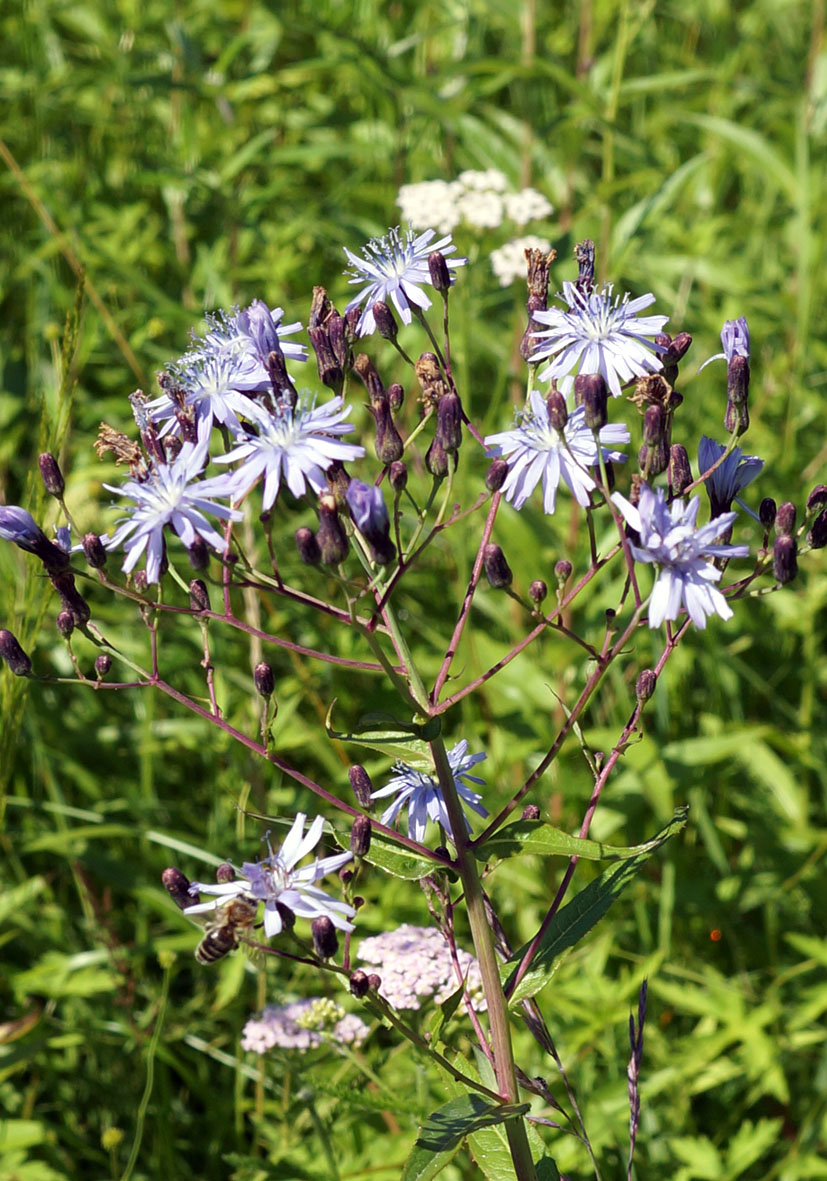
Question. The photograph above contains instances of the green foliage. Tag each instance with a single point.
(191, 158)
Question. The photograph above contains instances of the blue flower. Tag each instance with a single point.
(536, 451)
(669, 537)
(276, 882)
(392, 269)
(297, 444)
(735, 341)
(598, 334)
(729, 478)
(423, 796)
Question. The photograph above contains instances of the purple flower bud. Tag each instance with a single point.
(436, 459)
(359, 983)
(198, 554)
(680, 471)
(199, 595)
(94, 551)
(53, 480)
(530, 812)
(365, 369)
(70, 597)
(496, 474)
(361, 785)
(177, 886)
(341, 338)
(398, 475)
(264, 679)
(396, 396)
(817, 536)
(330, 535)
(258, 323)
(440, 275)
(784, 561)
(736, 417)
(817, 500)
(449, 422)
(13, 654)
(308, 546)
(594, 395)
(325, 940)
(65, 623)
(374, 981)
(360, 836)
(562, 572)
(766, 512)
(386, 325)
(558, 414)
(388, 446)
(103, 663)
(537, 591)
(497, 570)
(367, 508)
(224, 872)
(735, 338)
(645, 685)
(785, 518)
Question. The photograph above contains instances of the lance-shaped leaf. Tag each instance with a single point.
(578, 917)
(535, 836)
(447, 1127)
(404, 742)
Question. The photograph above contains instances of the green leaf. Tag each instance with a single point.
(578, 917)
(447, 1127)
(443, 1013)
(423, 1164)
(386, 734)
(535, 836)
(397, 860)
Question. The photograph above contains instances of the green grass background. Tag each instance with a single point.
(198, 154)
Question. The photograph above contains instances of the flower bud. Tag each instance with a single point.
(496, 474)
(817, 536)
(264, 679)
(361, 785)
(737, 415)
(440, 274)
(396, 396)
(103, 663)
(325, 940)
(359, 984)
(94, 551)
(680, 470)
(530, 812)
(562, 572)
(360, 836)
(594, 396)
(386, 325)
(436, 460)
(366, 371)
(766, 512)
(370, 515)
(199, 595)
(558, 414)
(785, 519)
(177, 886)
(224, 873)
(53, 480)
(65, 623)
(198, 554)
(449, 422)
(645, 685)
(817, 500)
(497, 570)
(330, 369)
(308, 546)
(784, 561)
(539, 265)
(258, 323)
(375, 981)
(70, 596)
(654, 454)
(288, 919)
(331, 535)
(537, 591)
(398, 475)
(337, 480)
(341, 338)
(13, 654)
(674, 349)
(388, 446)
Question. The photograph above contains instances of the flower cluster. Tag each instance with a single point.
(415, 964)
(482, 199)
(302, 1025)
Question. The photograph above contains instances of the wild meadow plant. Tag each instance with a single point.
(385, 505)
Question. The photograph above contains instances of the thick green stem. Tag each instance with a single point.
(489, 969)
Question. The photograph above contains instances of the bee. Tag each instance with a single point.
(224, 932)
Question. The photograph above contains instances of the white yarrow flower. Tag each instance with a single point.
(598, 334)
(392, 269)
(430, 203)
(670, 538)
(481, 208)
(296, 445)
(422, 795)
(535, 451)
(527, 205)
(275, 880)
(508, 262)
